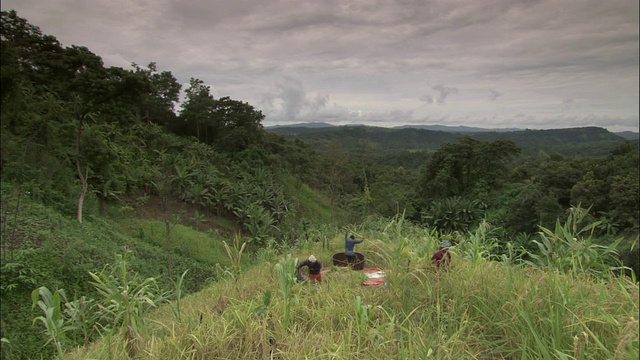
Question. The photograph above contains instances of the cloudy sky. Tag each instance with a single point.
(535, 64)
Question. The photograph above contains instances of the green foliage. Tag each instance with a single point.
(177, 291)
(520, 208)
(311, 204)
(83, 315)
(235, 255)
(455, 169)
(16, 274)
(237, 124)
(286, 269)
(158, 104)
(229, 125)
(126, 299)
(454, 214)
(393, 191)
(362, 315)
(61, 324)
(479, 245)
(266, 301)
(53, 319)
(571, 247)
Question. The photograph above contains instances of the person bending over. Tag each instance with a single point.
(314, 265)
(442, 257)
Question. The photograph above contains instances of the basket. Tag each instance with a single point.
(340, 259)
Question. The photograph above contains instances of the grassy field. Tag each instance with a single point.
(477, 309)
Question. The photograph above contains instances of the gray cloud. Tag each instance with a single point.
(367, 61)
(568, 103)
(428, 99)
(442, 93)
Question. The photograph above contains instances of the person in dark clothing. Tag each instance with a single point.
(314, 265)
(442, 257)
(349, 243)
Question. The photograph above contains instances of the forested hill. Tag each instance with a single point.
(585, 141)
(375, 137)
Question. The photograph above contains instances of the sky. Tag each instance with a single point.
(536, 64)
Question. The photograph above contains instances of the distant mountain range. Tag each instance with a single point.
(573, 142)
(629, 135)
(456, 129)
(312, 125)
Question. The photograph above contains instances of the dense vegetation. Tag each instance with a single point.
(113, 205)
(516, 180)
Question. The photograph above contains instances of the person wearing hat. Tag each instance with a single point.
(314, 265)
(442, 257)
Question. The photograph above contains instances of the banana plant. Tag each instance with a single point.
(257, 221)
(454, 213)
(182, 176)
(197, 193)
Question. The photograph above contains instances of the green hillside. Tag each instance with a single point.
(132, 230)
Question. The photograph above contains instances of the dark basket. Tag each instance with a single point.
(340, 259)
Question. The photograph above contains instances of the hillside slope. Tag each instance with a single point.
(478, 309)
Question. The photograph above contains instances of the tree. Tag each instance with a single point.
(158, 104)
(235, 125)
(591, 192)
(456, 168)
(335, 171)
(34, 52)
(393, 191)
(558, 177)
(9, 71)
(103, 94)
(197, 109)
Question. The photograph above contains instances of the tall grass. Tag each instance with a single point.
(286, 280)
(474, 310)
(571, 246)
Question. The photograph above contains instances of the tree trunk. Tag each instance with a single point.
(83, 179)
(83, 190)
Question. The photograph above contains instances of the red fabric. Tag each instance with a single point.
(315, 278)
(441, 257)
(375, 281)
